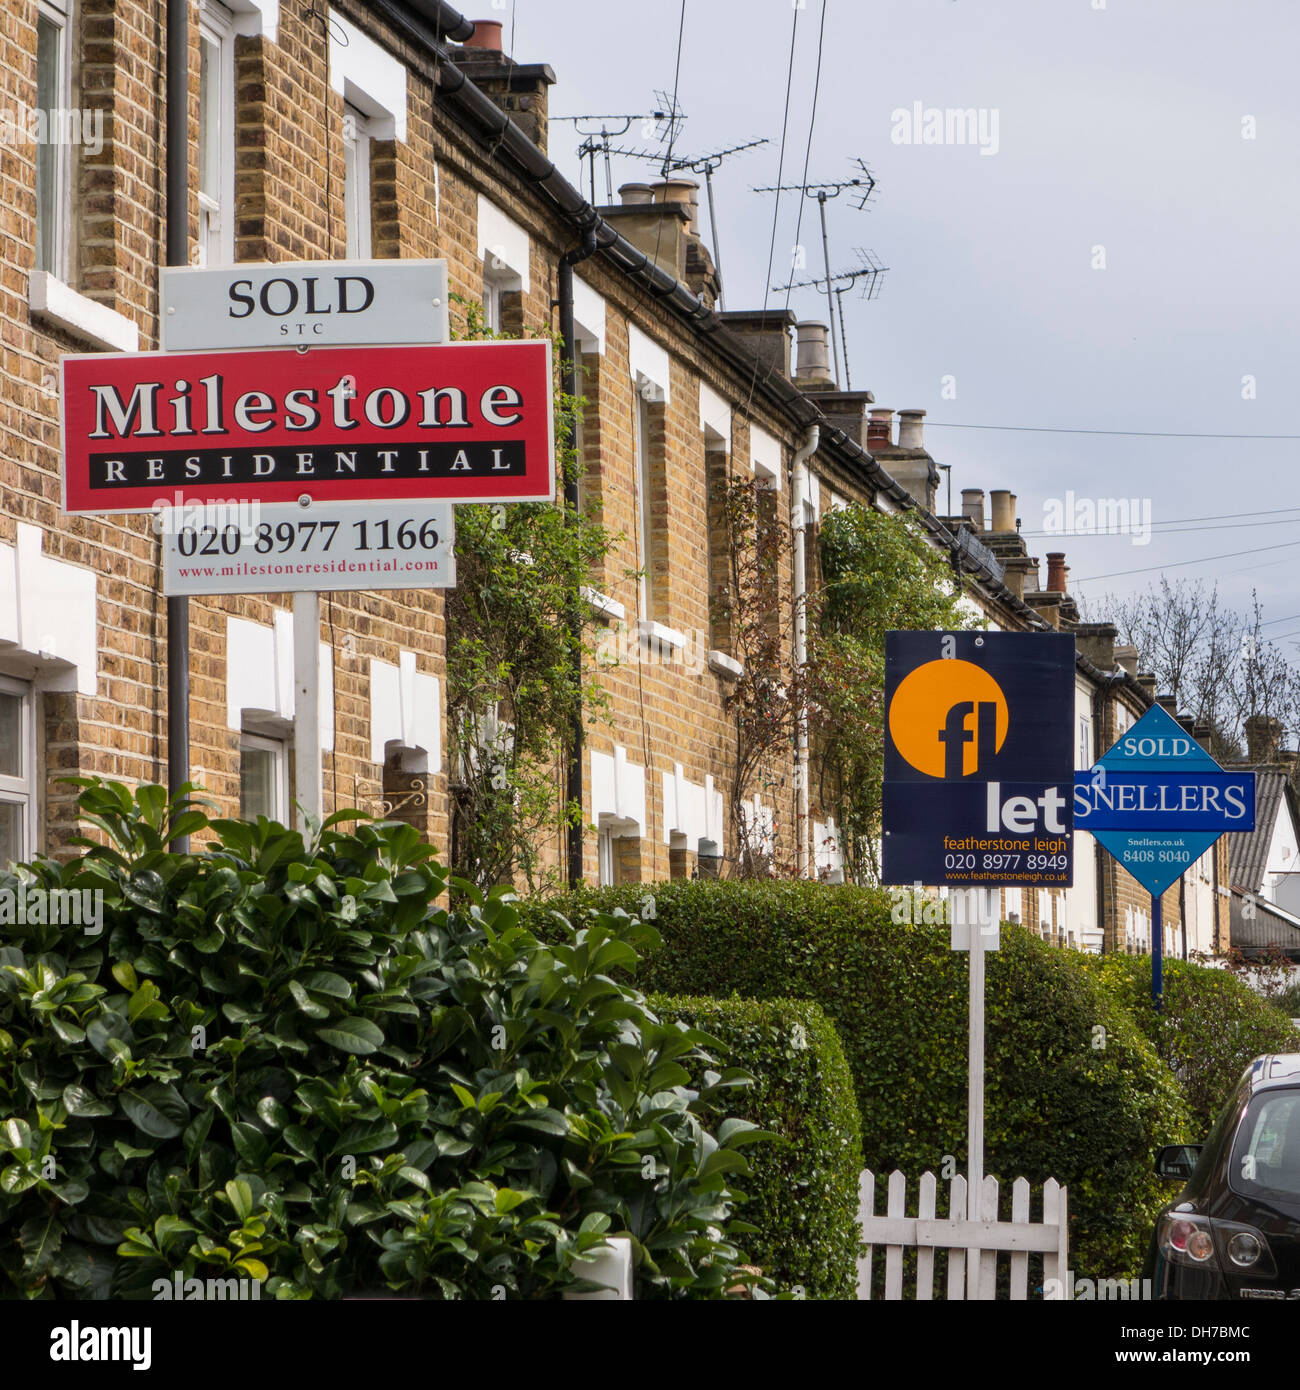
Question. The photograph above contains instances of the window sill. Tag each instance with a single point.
(55, 303)
(658, 633)
(723, 665)
(609, 609)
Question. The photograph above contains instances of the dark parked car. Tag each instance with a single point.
(1234, 1229)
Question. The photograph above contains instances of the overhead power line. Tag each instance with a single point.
(780, 160)
(1129, 434)
(1201, 560)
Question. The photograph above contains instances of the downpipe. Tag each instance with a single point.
(577, 737)
(805, 451)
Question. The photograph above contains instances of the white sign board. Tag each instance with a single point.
(252, 548)
(304, 303)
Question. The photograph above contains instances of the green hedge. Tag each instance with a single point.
(1210, 1026)
(803, 1191)
(1074, 1091)
(283, 1062)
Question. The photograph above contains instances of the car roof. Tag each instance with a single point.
(1275, 1069)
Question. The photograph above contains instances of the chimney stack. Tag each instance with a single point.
(1056, 572)
(880, 428)
(972, 506)
(1003, 506)
(1126, 658)
(1021, 573)
(1263, 738)
(911, 429)
(812, 355)
(487, 34)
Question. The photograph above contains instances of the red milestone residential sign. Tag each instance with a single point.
(467, 422)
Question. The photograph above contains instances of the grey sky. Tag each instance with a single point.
(1119, 127)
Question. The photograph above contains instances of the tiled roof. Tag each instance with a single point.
(1248, 849)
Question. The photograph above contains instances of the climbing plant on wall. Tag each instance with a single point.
(518, 632)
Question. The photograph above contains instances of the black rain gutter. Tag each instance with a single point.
(447, 22)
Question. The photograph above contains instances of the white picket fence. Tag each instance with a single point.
(973, 1245)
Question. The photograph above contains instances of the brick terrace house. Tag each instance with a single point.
(396, 128)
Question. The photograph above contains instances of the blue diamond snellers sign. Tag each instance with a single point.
(979, 758)
(1156, 800)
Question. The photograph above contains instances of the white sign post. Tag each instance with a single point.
(978, 931)
(308, 779)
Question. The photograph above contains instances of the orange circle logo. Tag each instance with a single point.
(948, 718)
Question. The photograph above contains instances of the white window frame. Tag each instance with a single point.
(22, 789)
(279, 750)
(56, 257)
(605, 858)
(357, 137)
(217, 215)
(493, 289)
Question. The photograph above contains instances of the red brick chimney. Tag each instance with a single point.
(880, 427)
(1056, 572)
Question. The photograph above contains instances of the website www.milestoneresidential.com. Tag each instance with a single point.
(247, 567)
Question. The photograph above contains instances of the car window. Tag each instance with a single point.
(1266, 1155)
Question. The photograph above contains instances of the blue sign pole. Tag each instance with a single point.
(1157, 951)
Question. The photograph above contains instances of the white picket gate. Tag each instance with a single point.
(973, 1245)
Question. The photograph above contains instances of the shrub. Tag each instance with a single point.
(278, 1061)
(1063, 1099)
(802, 1192)
(1210, 1026)
(1288, 1001)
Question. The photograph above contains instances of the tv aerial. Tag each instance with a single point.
(663, 124)
(860, 189)
(869, 271)
(706, 164)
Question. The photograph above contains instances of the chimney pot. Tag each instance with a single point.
(634, 194)
(880, 427)
(972, 505)
(1003, 507)
(487, 34)
(683, 191)
(812, 361)
(911, 429)
(1056, 572)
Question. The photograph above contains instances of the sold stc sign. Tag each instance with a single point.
(467, 422)
(979, 748)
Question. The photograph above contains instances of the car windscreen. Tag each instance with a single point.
(1265, 1159)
